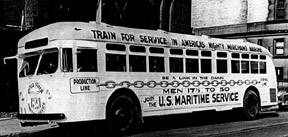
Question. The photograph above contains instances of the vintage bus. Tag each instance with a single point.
(76, 71)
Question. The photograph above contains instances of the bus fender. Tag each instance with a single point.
(255, 90)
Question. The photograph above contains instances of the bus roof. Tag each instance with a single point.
(115, 34)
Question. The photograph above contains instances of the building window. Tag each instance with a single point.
(279, 72)
(260, 42)
(280, 9)
(279, 46)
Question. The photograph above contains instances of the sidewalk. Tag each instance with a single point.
(3, 119)
(10, 126)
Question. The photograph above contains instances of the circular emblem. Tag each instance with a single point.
(36, 98)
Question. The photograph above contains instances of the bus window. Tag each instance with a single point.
(245, 56)
(221, 66)
(221, 54)
(116, 62)
(192, 52)
(137, 63)
(254, 56)
(48, 63)
(206, 66)
(137, 49)
(235, 66)
(86, 60)
(245, 66)
(263, 68)
(156, 50)
(262, 57)
(176, 51)
(116, 47)
(36, 43)
(176, 65)
(67, 65)
(235, 55)
(156, 64)
(192, 65)
(29, 65)
(254, 67)
(206, 53)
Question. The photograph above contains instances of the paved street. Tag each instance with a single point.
(219, 126)
(201, 124)
(224, 124)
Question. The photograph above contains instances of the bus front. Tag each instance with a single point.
(38, 71)
(55, 82)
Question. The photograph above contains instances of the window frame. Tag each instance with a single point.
(278, 47)
(280, 9)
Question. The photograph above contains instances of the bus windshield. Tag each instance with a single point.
(48, 63)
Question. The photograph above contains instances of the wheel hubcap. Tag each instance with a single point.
(122, 117)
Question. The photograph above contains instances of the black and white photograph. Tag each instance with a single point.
(144, 68)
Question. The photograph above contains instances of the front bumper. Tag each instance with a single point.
(40, 119)
(56, 116)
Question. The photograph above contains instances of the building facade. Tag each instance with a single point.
(264, 22)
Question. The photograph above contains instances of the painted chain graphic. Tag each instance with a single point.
(185, 83)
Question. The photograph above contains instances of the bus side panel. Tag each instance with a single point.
(269, 85)
(161, 95)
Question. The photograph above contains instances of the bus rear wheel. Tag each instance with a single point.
(122, 116)
(251, 105)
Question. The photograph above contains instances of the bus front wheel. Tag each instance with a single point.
(122, 116)
(251, 105)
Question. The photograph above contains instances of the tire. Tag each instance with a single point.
(251, 105)
(122, 116)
